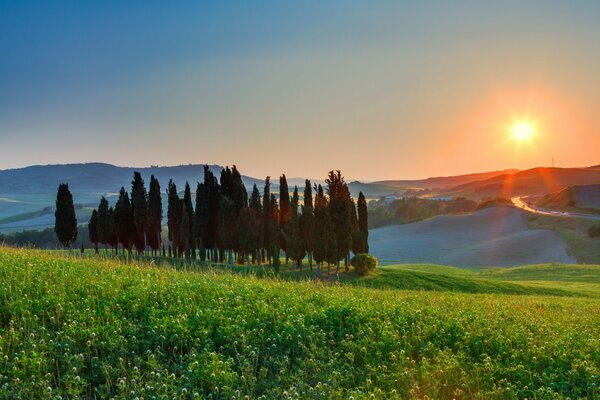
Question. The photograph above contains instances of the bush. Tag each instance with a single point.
(594, 231)
(363, 263)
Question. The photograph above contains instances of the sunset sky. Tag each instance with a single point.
(380, 90)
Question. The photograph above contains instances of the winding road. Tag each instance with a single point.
(520, 203)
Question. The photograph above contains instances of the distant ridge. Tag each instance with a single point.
(534, 181)
(441, 182)
(99, 177)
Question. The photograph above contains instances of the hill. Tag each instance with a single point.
(586, 197)
(545, 279)
(97, 177)
(99, 329)
(535, 181)
(399, 187)
(496, 236)
(25, 193)
(442, 181)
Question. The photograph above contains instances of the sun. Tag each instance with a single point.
(522, 130)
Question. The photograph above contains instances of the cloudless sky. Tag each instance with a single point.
(380, 90)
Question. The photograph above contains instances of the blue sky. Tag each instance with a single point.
(377, 89)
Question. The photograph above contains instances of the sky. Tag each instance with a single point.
(380, 90)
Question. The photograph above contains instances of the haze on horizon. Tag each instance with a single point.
(394, 91)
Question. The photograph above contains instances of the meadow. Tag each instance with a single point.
(103, 328)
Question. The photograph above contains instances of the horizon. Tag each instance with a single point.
(399, 90)
(348, 179)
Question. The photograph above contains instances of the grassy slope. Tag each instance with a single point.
(574, 232)
(92, 327)
(565, 280)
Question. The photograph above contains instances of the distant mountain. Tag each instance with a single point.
(535, 181)
(99, 177)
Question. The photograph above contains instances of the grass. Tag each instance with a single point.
(441, 278)
(99, 328)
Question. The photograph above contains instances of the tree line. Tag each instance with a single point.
(222, 223)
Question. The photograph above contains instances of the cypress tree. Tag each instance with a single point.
(357, 240)
(255, 204)
(339, 211)
(188, 232)
(123, 218)
(155, 214)
(104, 223)
(249, 231)
(139, 211)
(173, 216)
(274, 233)
(213, 194)
(284, 210)
(267, 216)
(307, 221)
(93, 229)
(185, 230)
(292, 233)
(322, 227)
(363, 221)
(65, 225)
(201, 219)
(111, 233)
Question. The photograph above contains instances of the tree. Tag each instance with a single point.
(139, 212)
(363, 222)
(267, 216)
(255, 205)
(307, 222)
(292, 233)
(187, 234)
(213, 193)
(339, 211)
(93, 229)
(284, 210)
(65, 224)
(322, 229)
(103, 222)
(249, 231)
(201, 215)
(155, 215)
(274, 233)
(123, 218)
(112, 237)
(174, 216)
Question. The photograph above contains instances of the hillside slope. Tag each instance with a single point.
(496, 236)
(578, 197)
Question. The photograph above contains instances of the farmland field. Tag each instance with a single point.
(100, 328)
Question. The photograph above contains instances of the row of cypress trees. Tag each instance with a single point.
(225, 224)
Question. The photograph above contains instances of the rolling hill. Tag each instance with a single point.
(442, 181)
(98, 177)
(535, 181)
(496, 236)
(578, 197)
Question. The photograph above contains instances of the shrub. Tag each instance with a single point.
(363, 263)
(594, 231)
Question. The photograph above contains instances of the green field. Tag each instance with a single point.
(100, 328)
